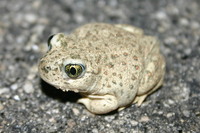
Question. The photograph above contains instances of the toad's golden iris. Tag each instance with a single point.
(74, 70)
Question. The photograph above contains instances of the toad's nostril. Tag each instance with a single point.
(46, 69)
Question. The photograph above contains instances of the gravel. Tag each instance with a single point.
(29, 105)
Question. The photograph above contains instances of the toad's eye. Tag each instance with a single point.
(49, 42)
(74, 70)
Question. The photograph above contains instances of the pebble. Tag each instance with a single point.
(184, 22)
(30, 18)
(35, 48)
(75, 111)
(169, 115)
(1, 107)
(94, 130)
(71, 123)
(144, 119)
(28, 87)
(186, 113)
(14, 87)
(4, 90)
(134, 123)
(161, 15)
(16, 97)
(109, 118)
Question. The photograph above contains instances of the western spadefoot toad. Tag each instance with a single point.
(112, 66)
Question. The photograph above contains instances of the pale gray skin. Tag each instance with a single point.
(122, 65)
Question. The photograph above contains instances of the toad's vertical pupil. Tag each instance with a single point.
(73, 71)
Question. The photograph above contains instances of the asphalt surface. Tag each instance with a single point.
(29, 105)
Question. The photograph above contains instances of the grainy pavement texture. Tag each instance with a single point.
(29, 105)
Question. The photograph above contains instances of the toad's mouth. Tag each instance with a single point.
(66, 86)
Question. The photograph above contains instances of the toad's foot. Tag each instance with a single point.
(140, 99)
(100, 104)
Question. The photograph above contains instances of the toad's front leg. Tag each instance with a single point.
(100, 104)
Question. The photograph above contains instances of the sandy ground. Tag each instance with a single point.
(29, 105)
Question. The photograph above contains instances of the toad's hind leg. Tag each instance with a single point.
(153, 71)
(99, 104)
(139, 99)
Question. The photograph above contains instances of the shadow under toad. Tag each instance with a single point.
(59, 94)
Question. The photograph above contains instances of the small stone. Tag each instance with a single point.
(71, 123)
(55, 111)
(134, 123)
(14, 86)
(28, 87)
(3, 90)
(35, 47)
(186, 113)
(16, 97)
(144, 119)
(184, 22)
(161, 15)
(1, 107)
(169, 115)
(94, 130)
(75, 111)
(135, 131)
(195, 25)
(52, 120)
(171, 102)
(109, 118)
(30, 18)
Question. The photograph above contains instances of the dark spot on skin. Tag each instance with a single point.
(121, 92)
(74, 47)
(90, 44)
(149, 74)
(114, 74)
(97, 48)
(137, 67)
(125, 54)
(75, 56)
(97, 72)
(128, 96)
(94, 38)
(98, 59)
(114, 56)
(120, 76)
(133, 45)
(135, 58)
(110, 65)
(123, 63)
(52, 52)
(105, 58)
(121, 84)
(131, 87)
(56, 70)
(114, 82)
(106, 73)
(109, 86)
(133, 77)
(118, 34)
